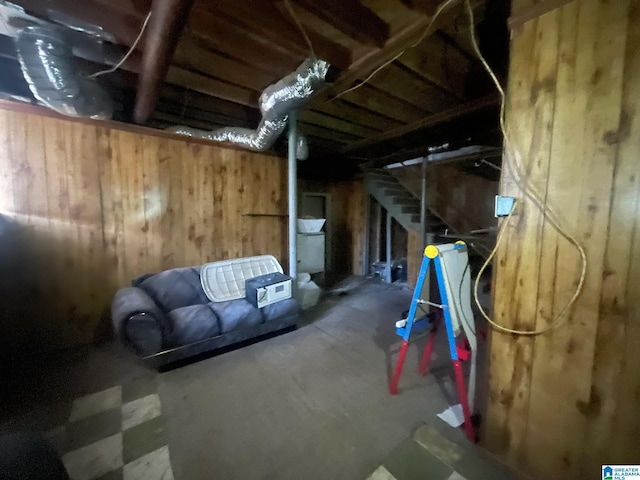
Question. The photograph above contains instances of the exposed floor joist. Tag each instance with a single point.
(350, 17)
(429, 121)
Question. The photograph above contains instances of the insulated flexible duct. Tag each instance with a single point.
(46, 62)
(276, 101)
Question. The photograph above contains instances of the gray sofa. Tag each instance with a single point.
(166, 317)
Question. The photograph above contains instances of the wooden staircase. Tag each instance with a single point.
(400, 202)
(404, 206)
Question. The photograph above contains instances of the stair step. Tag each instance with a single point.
(388, 184)
(410, 209)
(380, 176)
(432, 223)
(396, 192)
(404, 200)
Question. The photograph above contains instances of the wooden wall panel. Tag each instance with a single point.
(87, 206)
(565, 402)
(415, 254)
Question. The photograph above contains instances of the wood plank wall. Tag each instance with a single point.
(348, 204)
(87, 207)
(563, 403)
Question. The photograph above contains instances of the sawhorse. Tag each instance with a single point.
(432, 254)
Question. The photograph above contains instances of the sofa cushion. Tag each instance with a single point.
(193, 323)
(236, 315)
(175, 288)
(280, 309)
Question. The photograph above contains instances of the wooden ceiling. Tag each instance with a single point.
(230, 50)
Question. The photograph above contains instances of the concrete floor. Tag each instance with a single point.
(309, 404)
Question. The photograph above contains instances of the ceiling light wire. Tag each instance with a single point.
(427, 30)
(129, 52)
(524, 184)
(300, 27)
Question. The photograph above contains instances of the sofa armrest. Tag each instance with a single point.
(138, 321)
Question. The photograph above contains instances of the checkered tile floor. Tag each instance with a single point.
(117, 433)
(431, 456)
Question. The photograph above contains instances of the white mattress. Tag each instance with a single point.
(224, 281)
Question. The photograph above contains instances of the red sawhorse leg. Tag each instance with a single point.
(462, 394)
(393, 386)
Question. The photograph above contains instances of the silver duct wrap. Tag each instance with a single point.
(46, 62)
(293, 90)
(256, 140)
(276, 101)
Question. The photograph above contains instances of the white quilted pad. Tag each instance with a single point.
(224, 281)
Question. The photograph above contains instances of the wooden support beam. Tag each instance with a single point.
(429, 121)
(374, 58)
(359, 115)
(222, 36)
(168, 18)
(211, 86)
(336, 123)
(441, 62)
(379, 101)
(326, 133)
(191, 98)
(534, 11)
(351, 18)
(273, 23)
(190, 55)
(413, 89)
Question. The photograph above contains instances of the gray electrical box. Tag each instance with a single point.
(503, 205)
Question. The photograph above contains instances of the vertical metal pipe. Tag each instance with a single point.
(367, 234)
(293, 200)
(388, 268)
(423, 204)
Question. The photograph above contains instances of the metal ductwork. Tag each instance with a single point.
(46, 60)
(276, 101)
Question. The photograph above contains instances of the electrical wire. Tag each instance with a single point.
(522, 181)
(427, 30)
(300, 27)
(131, 49)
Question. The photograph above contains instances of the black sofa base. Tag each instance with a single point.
(172, 355)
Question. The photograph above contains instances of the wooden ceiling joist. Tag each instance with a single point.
(336, 123)
(328, 134)
(351, 18)
(368, 62)
(186, 97)
(429, 121)
(440, 62)
(413, 89)
(168, 18)
(191, 56)
(274, 23)
(358, 115)
(211, 86)
(221, 36)
(379, 101)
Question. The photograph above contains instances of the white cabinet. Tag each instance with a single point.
(311, 252)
